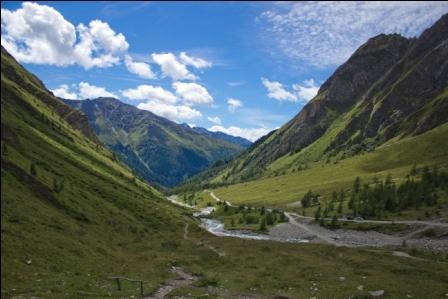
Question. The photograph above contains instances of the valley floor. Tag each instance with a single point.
(429, 235)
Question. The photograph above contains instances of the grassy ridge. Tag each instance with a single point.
(394, 157)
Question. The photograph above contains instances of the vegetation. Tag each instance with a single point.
(72, 214)
(422, 187)
(394, 158)
(247, 218)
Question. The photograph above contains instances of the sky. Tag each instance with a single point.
(243, 68)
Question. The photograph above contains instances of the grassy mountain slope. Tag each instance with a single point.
(288, 184)
(391, 88)
(159, 150)
(67, 206)
(71, 217)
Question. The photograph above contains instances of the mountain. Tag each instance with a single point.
(223, 136)
(390, 89)
(70, 212)
(158, 149)
(73, 217)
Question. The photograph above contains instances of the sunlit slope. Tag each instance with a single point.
(69, 211)
(394, 157)
(391, 88)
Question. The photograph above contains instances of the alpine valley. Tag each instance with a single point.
(348, 199)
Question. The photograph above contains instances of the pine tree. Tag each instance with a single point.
(340, 208)
(341, 196)
(263, 224)
(317, 214)
(269, 218)
(351, 203)
(357, 185)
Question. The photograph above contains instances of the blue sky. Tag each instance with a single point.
(242, 68)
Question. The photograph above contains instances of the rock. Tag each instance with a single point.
(360, 287)
(29, 262)
(377, 294)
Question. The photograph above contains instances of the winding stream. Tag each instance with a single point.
(216, 227)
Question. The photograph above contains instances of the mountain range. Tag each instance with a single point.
(157, 149)
(75, 215)
(390, 89)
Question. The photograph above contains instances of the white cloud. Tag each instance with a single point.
(63, 91)
(150, 93)
(215, 120)
(277, 91)
(39, 34)
(233, 104)
(99, 45)
(327, 33)
(307, 90)
(175, 113)
(251, 134)
(87, 91)
(193, 61)
(192, 93)
(141, 69)
(172, 67)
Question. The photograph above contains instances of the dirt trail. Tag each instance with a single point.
(183, 279)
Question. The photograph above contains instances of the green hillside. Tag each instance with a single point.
(290, 178)
(72, 216)
(159, 150)
(389, 98)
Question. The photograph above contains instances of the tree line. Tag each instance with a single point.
(421, 187)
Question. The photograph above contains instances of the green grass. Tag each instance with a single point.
(104, 223)
(394, 157)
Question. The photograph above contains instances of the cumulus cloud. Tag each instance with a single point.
(215, 120)
(162, 102)
(192, 93)
(99, 45)
(251, 134)
(150, 93)
(198, 63)
(327, 33)
(172, 67)
(63, 91)
(307, 90)
(88, 91)
(277, 91)
(233, 104)
(39, 34)
(141, 69)
(177, 113)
